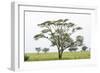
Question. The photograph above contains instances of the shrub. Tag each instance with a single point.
(84, 48)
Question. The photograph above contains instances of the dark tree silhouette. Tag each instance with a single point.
(45, 50)
(59, 32)
(72, 49)
(84, 48)
(38, 49)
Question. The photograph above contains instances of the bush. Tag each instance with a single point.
(84, 48)
(26, 57)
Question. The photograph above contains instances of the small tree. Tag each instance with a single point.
(45, 50)
(72, 49)
(84, 48)
(38, 49)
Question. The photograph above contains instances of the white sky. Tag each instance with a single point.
(34, 18)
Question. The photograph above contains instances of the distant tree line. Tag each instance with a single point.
(71, 49)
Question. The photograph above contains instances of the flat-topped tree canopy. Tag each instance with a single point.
(59, 33)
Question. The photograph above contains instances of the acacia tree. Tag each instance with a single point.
(38, 49)
(84, 48)
(45, 50)
(59, 32)
(72, 49)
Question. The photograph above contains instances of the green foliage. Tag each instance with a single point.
(45, 30)
(38, 36)
(70, 25)
(65, 20)
(79, 28)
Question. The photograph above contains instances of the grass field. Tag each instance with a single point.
(54, 56)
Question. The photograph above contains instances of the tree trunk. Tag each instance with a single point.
(60, 54)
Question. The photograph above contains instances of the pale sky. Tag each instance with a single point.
(34, 18)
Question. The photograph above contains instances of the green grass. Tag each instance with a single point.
(54, 56)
